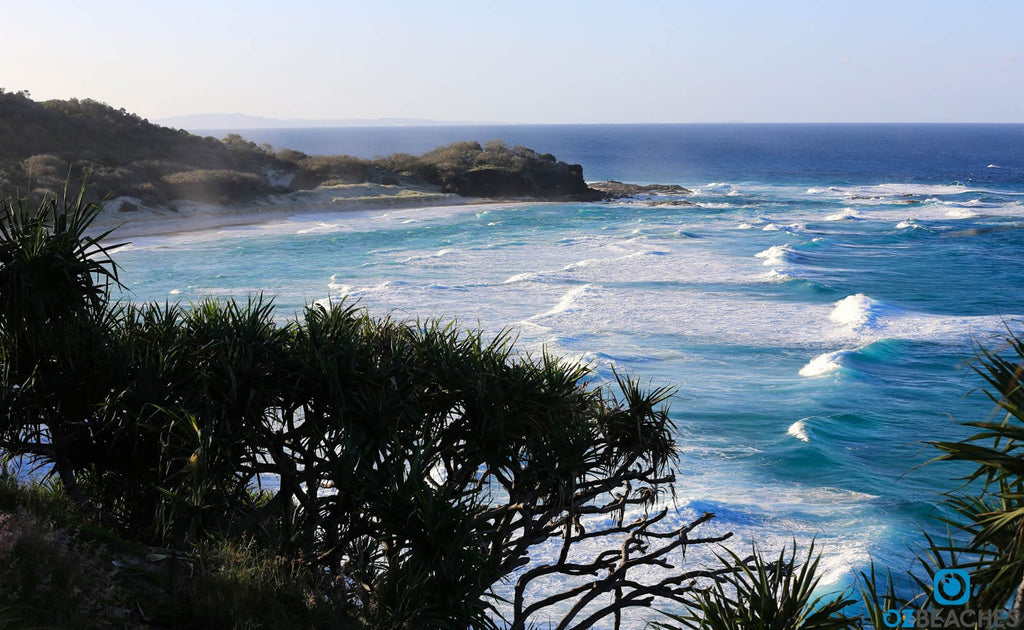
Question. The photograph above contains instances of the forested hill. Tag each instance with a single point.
(44, 144)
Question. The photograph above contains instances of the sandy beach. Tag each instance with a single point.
(130, 218)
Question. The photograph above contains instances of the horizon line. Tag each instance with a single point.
(368, 124)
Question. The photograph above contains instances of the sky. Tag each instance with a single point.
(525, 61)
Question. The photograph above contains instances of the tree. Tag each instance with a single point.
(989, 511)
(984, 518)
(54, 310)
(419, 465)
(454, 458)
(757, 592)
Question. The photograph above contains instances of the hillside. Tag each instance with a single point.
(45, 144)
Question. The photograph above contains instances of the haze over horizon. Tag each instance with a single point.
(594, 62)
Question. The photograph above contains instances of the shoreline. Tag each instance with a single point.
(192, 216)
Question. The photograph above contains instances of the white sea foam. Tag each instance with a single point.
(588, 262)
(775, 255)
(896, 209)
(858, 310)
(845, 214)
(338, 288)
(896, 191)
(580, 264)
(324, 228)
(993, 166)
(776, 276)
(798, 430)
(441, 253)
(907, 224)
(570, 302)
(709, 205)
(341, 290)
(744, 226)
(842, 559)
(792, 228)
(866, 319)
(522, 277)
(855, 311)
(824, 364)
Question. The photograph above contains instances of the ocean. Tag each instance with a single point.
(815, 307)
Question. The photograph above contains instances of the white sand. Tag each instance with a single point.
(187, 216)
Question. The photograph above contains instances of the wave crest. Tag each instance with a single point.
(798, 430)
(824, 364)
(858, 311)
(776, 254)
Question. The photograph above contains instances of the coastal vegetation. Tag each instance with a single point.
(420, 475)
(418, 466)
(44, 145)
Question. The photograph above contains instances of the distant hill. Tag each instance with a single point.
(200, 122)
(43, 145)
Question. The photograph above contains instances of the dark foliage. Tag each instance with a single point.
(43, 144)
(759, 592)
(419, 466)
(495, 170)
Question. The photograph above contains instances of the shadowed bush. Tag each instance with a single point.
(757, 592)
(419, 465)
(215, 186)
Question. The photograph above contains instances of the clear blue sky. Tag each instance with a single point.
(525, 61)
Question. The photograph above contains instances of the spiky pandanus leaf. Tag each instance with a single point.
(761, 592)
(987, 519)
(55, 283)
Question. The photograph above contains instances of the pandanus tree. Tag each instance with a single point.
(987, 514)
(983, 518)
(418, 467)
(451, 459)
(55, 312)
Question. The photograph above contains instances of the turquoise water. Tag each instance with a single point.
(814, 319)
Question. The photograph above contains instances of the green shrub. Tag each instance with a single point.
(758, 592)
(338, 168)
(158, 419)
(216, 186)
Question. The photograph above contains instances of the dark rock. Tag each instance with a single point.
(670, 202)
(539, 180)
(618, 190)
